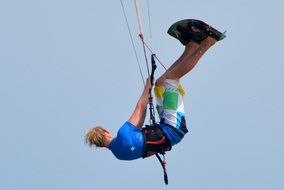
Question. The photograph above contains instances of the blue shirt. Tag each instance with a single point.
(128, 144)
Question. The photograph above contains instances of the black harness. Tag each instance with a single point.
(155, 141)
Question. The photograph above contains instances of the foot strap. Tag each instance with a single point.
(184, 32)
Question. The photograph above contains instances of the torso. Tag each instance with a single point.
(129, 142)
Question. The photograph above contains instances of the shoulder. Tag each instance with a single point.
(127, 127)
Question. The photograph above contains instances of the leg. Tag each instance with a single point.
(190, 48)
(170, 107)
(187, 61)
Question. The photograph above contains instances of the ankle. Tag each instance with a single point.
(209, 41)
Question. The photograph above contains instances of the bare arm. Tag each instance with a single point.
(139, 114)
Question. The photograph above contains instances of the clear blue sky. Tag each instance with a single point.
(68, 65)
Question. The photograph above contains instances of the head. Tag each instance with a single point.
(98, 136)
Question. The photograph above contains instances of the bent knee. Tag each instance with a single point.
(160, 81)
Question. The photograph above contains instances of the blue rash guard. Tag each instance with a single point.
(128, 144)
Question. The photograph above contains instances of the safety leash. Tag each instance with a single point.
(163, 164)
(152, 118)
(151, 104)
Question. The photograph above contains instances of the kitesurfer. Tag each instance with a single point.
(134, 141)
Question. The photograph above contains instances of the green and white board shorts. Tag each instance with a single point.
(169, 104)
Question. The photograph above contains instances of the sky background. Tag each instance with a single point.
(68, 65)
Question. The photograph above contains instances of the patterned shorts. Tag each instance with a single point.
(169, 104)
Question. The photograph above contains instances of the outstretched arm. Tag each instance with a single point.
(139, 114)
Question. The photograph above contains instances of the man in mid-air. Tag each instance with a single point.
(132, 140)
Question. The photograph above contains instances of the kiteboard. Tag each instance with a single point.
(192, 30)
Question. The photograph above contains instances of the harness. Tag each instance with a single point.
(156, 141)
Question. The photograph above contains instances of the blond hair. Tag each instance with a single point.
(96, 137)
